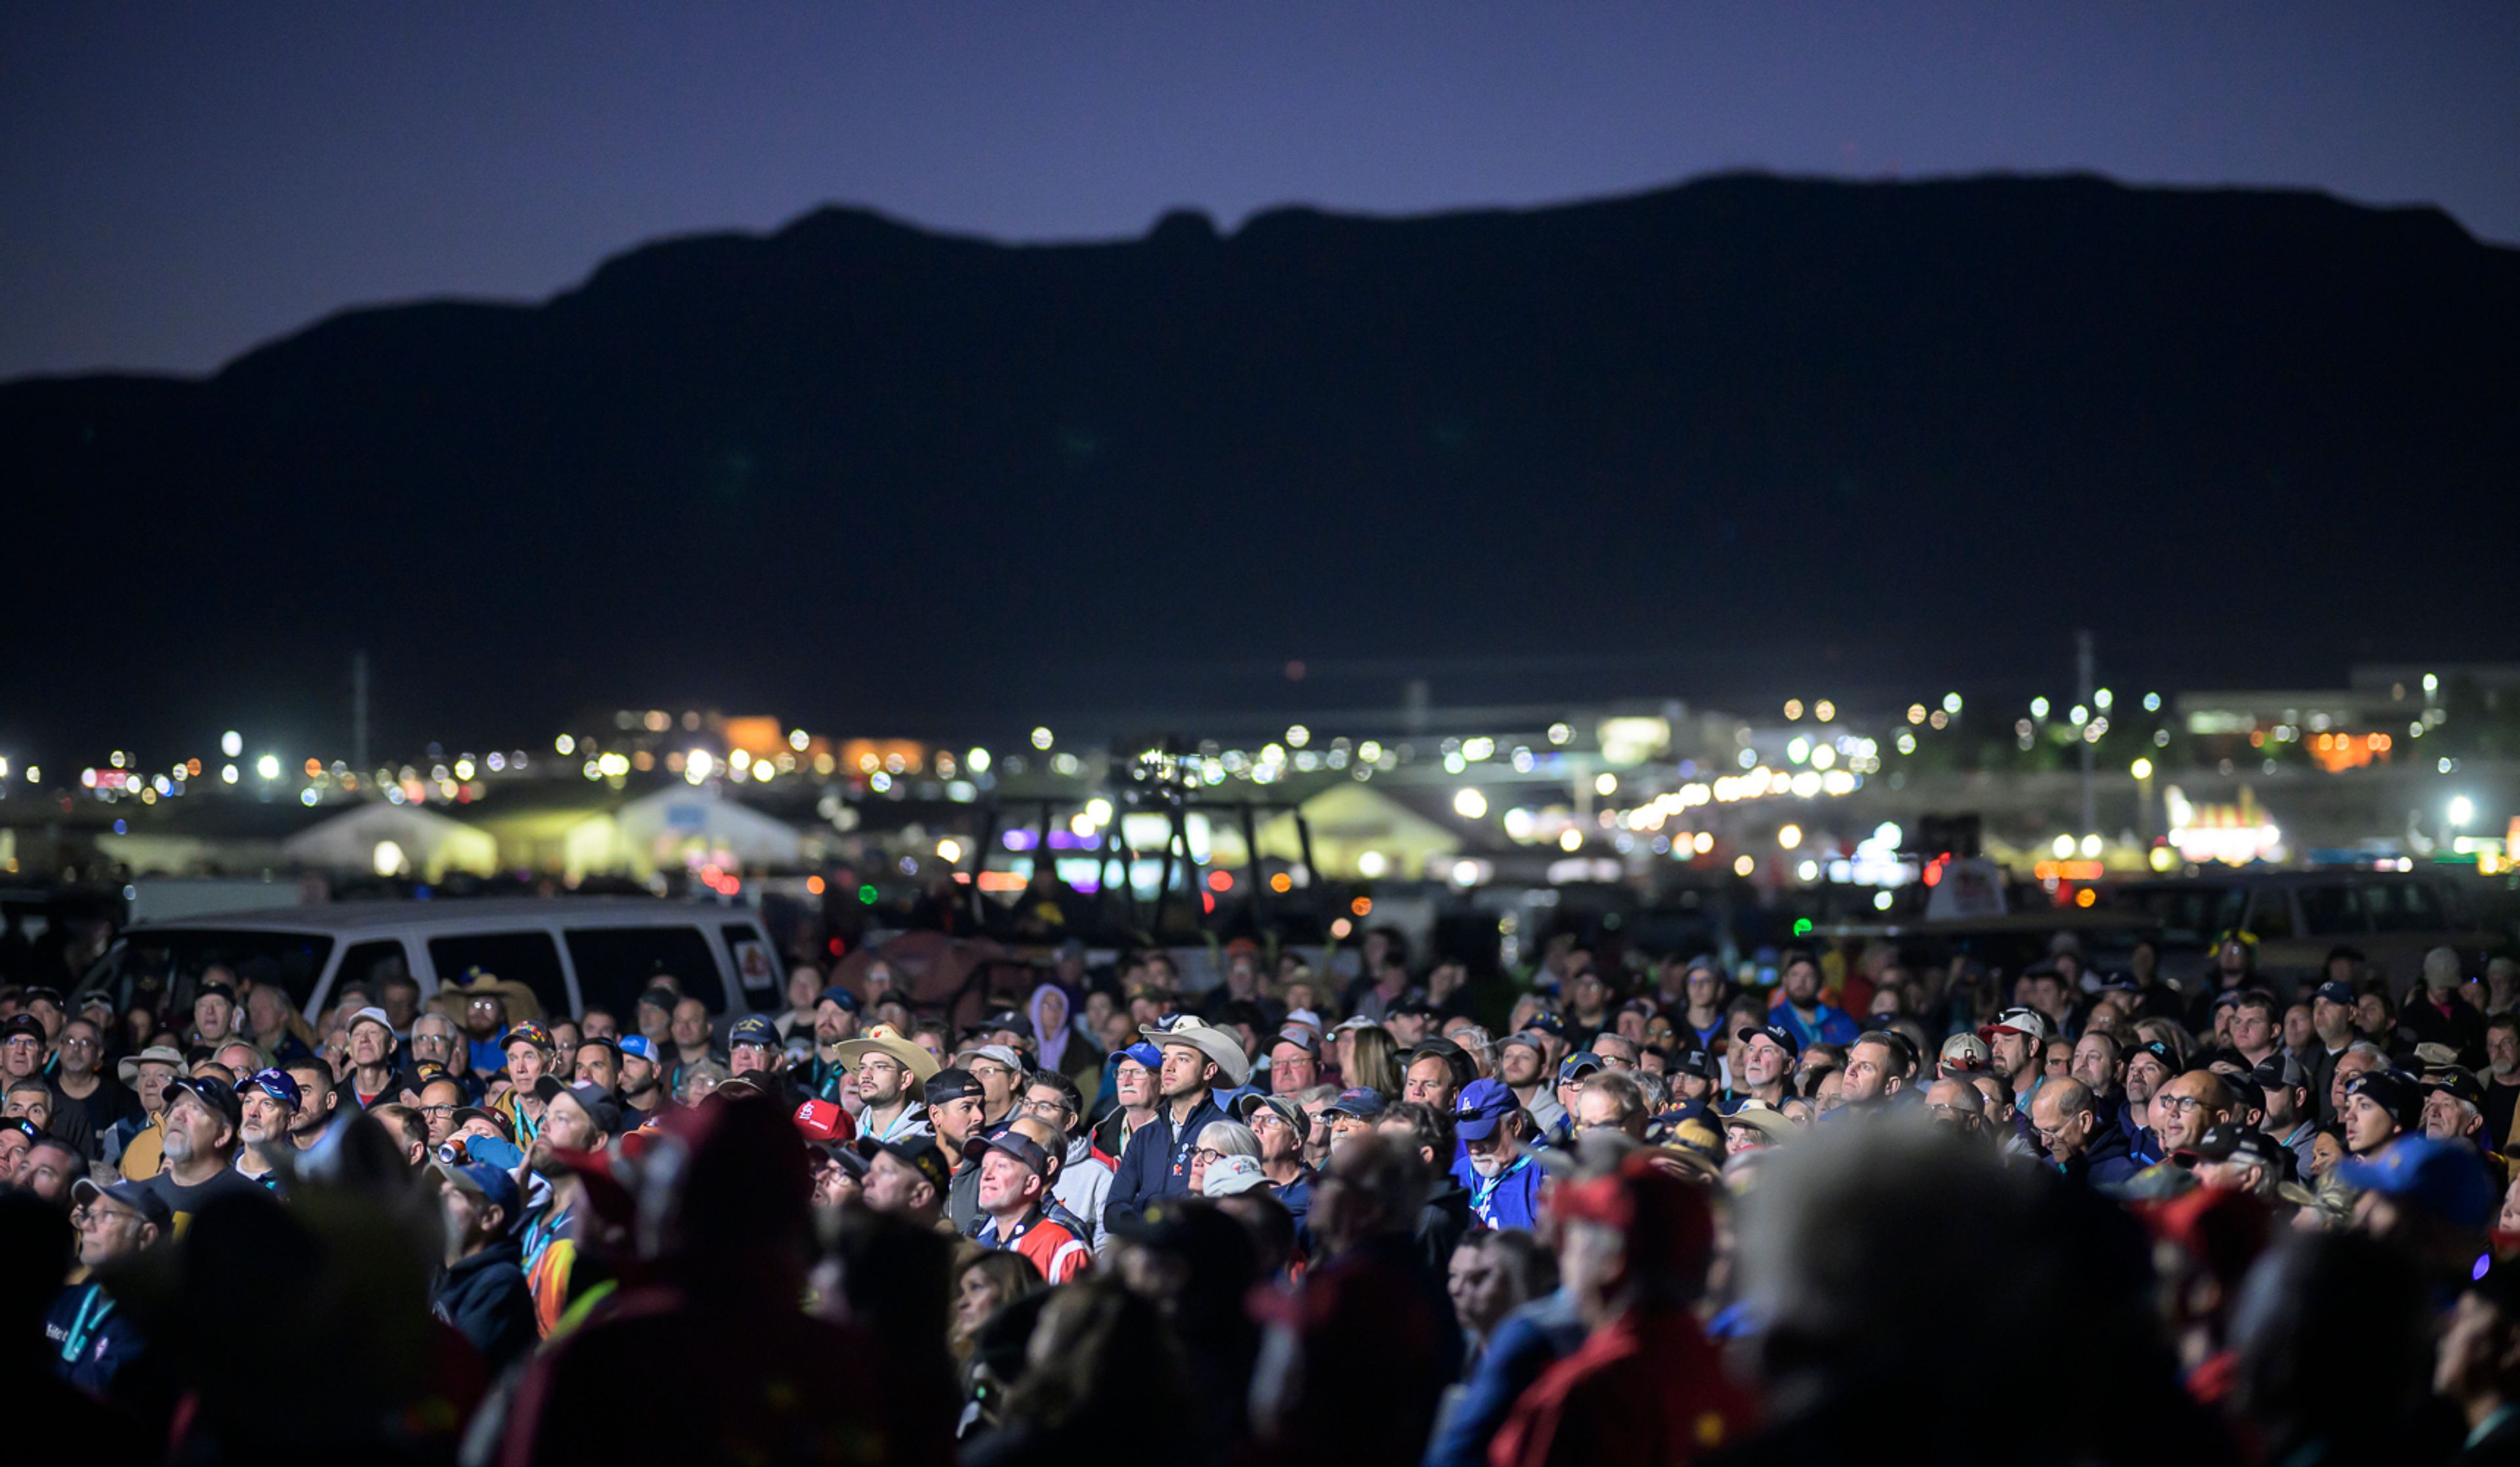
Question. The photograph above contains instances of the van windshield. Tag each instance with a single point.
(163, 965)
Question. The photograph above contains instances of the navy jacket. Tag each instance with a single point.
(2107, 1161)
(1157, 1162)
(1520, 1350)
(90, 1338)
(486, 1298)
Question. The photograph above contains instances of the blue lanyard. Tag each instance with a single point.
(1480, 1196)
(84, 1327)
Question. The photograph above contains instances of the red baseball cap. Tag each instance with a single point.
(823, 1120)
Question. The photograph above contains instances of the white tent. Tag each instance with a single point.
(393, 839)
(667, 828)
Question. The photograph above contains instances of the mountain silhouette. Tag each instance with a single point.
(1765, 431)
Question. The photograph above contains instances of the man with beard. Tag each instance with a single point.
(1809, 1020)
(955, 1109)
(642, 1082)
(1522, 1063)
(1194, 1060)
(1503, 1179)
(86, 1103)
(482, 1293)
(268, 1101)
(888, 1070)
(2501, 1078)
(1762, 1059)
(826, 1077)
(577, 1121)
(201, 1142)
(2287, 1116)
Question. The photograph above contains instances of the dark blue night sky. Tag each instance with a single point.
(182, 181)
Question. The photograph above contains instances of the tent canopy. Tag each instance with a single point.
(393, 839)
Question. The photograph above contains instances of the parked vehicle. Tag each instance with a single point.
(570, 951)
(2392, 917)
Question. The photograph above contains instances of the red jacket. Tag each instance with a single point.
(1645, 1390)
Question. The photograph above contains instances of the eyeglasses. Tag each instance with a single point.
(1049, 1110)
(2177, 1105)
(1209, 1154)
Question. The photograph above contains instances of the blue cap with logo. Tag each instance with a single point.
(2444, 1179)
(1361, 1104)
(1144, 1052)
(279, 1085)
(1482, 1107)
(1576, 1065)
(487, 1182)
(754, 1029)
(2335, 991)
(847, 1001)
(638, 1047)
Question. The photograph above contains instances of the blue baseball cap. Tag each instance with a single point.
(1576, 1065)
(1144, 1053)
(2335, 991)
(2446, 1178)
(279, 1085)
(753, 1029)
(487, 1182)
(1361, 1103)
(847, 1000)
(638, 1047)
(1482, 1107)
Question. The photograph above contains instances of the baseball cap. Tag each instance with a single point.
(1013, 1143)
(370, 1015)
(2118, 982)
(25, 1025)
(1524, 1037)
(660, 996)
(1965, 1053)
(2392, 1091)
(529, 1032)
(1144, 1054)
(1004, 1054)
(921, 1153)
(1301, 1038)
(214, 989)
(1693, 1059)
(1351, 1024)
(1576, 1065)
(2017, 1020)
(2222, 1142)
(2279, 1069)
(1783, 1036)
(2461, 1085)
(1360, 1103)
(599, 1103)
(2160, 1050)
(950, 1086)
(2336, 990)
(824, 1121)
(140, 1197)
(637, 1047)
(2446, 1178)
(279, 1085)
(1295, 1116)
(492, 1184)
(835, 994)
(1481, 1108)
(1227, 1176)
(1008, 1020)
(211, 1091)
(753, 1029)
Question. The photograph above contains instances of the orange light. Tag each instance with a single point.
(314, 767)
(1220, 881)
(1362, 906)
(2085, 897)
(1281, 884)
(996, 881)
(814, 884)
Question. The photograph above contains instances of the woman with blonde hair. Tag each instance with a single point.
(1374, 1061)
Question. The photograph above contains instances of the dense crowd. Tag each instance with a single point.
(1640, 1211)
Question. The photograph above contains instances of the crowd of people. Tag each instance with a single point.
(1643, 1212)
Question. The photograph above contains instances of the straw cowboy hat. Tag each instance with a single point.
(1217, 1044)
(520, 1004)
(884, 1038)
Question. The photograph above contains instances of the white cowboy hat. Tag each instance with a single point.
(1216, 1043)
(884, 1038)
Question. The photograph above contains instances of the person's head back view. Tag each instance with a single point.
(2335, 1345)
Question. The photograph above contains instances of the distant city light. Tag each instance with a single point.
(227, 774)
(2142, 769)
(1297, 735)
(231, 743)
(1743, 865)
(978, 761)
(2462, 810)
(1469, 804)
(1951, 703)
(1605, 783)
(1789, 835)
(1040, 738)
(2038, 707)
(797, 740)
(564, 745)
(268, 766)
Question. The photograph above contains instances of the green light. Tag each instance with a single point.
(867, 895)
(1802, 925)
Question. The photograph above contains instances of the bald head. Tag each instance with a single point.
(2059, 1098)
(2061, 1113)
(1955, 1100)
(2188, 1104)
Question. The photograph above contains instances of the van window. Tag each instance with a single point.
(372, 964)
(2404, 906)
(159, 962)
(755, 970)
(519, 957)
(2332, 912)
(2270, 915)
(615, 964)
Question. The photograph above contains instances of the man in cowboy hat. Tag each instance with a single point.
(1198, 1060)
(889, 1072)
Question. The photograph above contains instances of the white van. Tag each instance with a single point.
(572, 952)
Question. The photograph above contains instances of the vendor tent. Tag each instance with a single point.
(674, 828)
(393, 839)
